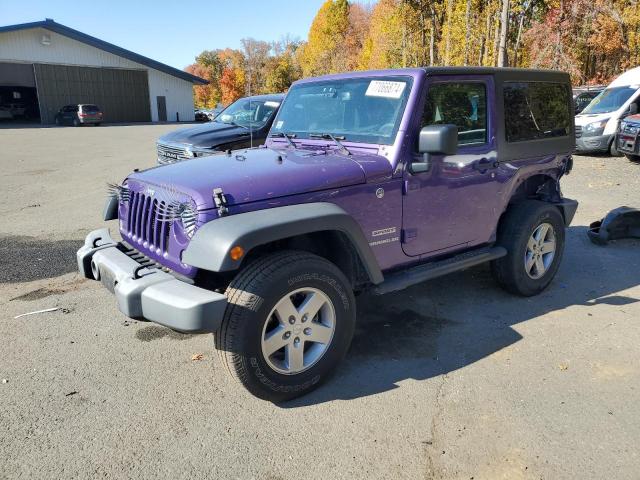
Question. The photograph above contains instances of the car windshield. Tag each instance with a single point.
(610, 100)
(366, 110)
(248, 113)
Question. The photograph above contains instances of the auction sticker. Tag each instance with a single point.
(386, 89)
(279, 124)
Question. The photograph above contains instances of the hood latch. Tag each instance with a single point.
(220, 201)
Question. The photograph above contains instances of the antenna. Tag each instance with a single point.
(250, 104)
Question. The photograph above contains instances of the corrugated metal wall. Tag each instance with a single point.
(122, 95)
(17, 74)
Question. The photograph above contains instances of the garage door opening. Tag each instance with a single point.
(19, 104)
(18, 94)
(121, 94)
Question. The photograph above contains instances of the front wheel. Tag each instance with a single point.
(289, 322)
(533, 233)
(613, 151)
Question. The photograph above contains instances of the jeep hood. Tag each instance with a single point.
(207, 135)
(263, 173)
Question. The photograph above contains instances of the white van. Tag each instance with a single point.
(597, 124)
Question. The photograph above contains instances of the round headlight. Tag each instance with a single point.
(189, 219)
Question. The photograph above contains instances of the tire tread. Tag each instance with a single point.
(256, 272)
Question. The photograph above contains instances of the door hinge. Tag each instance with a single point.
(409, 234)
(409, 186)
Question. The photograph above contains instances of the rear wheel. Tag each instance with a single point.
(633, 158)
(533, 233)
(76, 122)
(58, 121)
(288, 324)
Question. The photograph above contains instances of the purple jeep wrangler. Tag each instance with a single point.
(369, 181)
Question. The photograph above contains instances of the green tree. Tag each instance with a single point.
(324, 48)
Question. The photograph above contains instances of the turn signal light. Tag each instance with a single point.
(236, 253)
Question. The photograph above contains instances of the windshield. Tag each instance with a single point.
(364, 110)
(248, 113)
(610, 100)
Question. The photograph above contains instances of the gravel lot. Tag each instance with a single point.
(448, 379)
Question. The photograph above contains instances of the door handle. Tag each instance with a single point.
(485, 164)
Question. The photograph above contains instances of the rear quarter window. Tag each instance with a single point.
(536, 110)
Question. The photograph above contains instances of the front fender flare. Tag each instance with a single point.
(210, 246)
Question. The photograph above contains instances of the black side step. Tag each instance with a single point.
(405, 278)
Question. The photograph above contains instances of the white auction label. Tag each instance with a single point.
(271, 103)
(279, 124)
(386, 89)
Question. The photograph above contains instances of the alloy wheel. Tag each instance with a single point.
(541, 250)
(298, 331)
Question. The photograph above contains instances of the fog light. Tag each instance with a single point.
(236, 253)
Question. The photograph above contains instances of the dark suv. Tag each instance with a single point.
(79, 114)
(369, 181)
(244, 123)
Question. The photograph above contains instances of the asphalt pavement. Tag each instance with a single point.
(449, 379)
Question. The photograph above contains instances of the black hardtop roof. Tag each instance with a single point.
(507, 73)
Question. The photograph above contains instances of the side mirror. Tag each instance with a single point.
(442, 139)
(438, 139)
(633, 109)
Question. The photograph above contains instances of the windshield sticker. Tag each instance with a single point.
(279, 124)
(270, 103)
(385, 89)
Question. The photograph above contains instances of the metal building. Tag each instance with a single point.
(46, 65)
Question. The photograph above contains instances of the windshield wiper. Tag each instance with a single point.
(335, 139)
(287, 136)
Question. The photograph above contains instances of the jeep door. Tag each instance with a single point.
(453, 205)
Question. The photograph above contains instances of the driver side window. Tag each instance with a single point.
(461, 104)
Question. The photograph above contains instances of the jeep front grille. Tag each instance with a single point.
(578, 131)
(171, 153)
(145, 226)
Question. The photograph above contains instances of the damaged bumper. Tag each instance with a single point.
(568, 208)
(147, 292)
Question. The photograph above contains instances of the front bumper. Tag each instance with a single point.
(628, 143)
(599, 143)
(147, 292)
